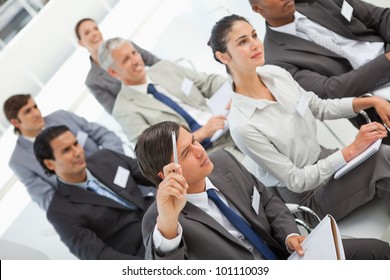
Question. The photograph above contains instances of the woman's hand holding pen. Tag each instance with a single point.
(368, 133)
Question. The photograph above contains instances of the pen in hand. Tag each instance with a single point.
(174, 147)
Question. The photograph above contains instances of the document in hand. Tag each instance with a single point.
(217, 104)
(359, 159)
(323, 243)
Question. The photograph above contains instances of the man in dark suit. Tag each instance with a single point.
(99, 203)
(185, 224)
(103, 86)
(358, 66)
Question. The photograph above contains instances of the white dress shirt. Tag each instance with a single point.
(362, 51)
(201, 201)
(279, 139)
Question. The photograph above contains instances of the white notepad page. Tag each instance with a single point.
(359, 159)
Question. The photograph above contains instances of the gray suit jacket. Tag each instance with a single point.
(104, 87)
(205, 238)
(136, 111)
(25, 166)
(322, 71)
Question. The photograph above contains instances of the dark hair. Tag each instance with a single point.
(13, 105)
(154, 149)
(78, 24)
(42, 147)
(218, 38)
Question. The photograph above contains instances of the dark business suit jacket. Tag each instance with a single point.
(204, 238)
(23, 163)
(104, 87)
(322, 71)
(97, 227)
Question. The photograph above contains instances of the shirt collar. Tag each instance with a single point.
(201, 199)
(29, 138)
(82, 185)
(289, 28)
(248, 105)
(141, 88)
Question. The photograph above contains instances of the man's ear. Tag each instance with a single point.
(112, 72)
(49, 163)
(161, 175)
(223, 57)
(15, 122)
(257, 9)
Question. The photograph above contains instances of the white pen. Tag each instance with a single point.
(175, 158)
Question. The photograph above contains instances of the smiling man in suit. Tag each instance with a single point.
(164, 92)
(213, 208)
(99, 203)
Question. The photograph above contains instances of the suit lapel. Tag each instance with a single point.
(240, 197)
(25, 144)
(319, 14)
(144, 101)
(294, 43)
(171, 84)
(192, 212)
(105, 173)
(79, 195)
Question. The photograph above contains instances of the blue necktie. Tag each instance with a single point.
(192, 123)
(92, 185)
(242, 226)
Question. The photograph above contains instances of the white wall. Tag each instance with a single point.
(38, 50)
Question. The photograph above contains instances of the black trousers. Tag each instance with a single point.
(366, 249)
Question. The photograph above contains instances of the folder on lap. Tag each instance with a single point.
(323, 243)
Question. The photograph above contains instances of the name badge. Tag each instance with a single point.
(255, 200)
(347, 10)
(186, 86)
(302, 106)
(81, 137)
(121, 177)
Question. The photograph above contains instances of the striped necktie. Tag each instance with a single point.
(326, 42)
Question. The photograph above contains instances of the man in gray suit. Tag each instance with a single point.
(359, 65)
(187, 89)
(23, 113)
(103, 86)
(187, 221)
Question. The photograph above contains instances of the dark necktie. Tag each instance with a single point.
(192, 123)
(92, 185)
(242, 226)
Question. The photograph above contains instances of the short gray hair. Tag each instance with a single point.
(105, 51)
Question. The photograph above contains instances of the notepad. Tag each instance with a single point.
(359, 159)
